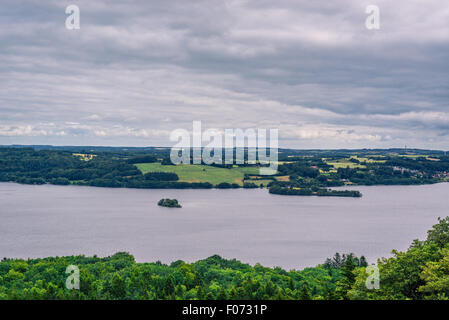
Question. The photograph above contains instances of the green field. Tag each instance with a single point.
(368, 160)
(345, 164)
(201, 173)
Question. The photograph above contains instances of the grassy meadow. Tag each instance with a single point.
(344, 164)
(201, 173)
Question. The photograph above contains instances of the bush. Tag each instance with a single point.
(161, 176)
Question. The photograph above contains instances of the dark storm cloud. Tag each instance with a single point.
(138, 69)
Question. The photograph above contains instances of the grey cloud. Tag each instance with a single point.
(138, 69)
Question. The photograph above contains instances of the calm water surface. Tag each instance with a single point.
(250, 225)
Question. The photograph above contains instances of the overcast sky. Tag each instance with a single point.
(136, 70)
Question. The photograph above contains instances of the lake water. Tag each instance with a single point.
(251, 225)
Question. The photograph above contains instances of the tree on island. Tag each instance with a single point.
(170, 203)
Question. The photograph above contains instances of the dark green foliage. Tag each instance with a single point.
(338, 261)
(161, 176)
(422, 272)
(314, 191)
(62, 167)
(142, 159)
(170, 203)
(347, 277)
(120, 277)
(250, 185)
(306, 179)
(106, 169)
(302, 168)
(166, 162)
(226, 185)
(304, 292)
(439, 234)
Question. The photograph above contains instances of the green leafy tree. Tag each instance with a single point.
(347, 278)
(304, 292)
(118, 289)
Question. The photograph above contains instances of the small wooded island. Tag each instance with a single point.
(290, 191)
(169, 203)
